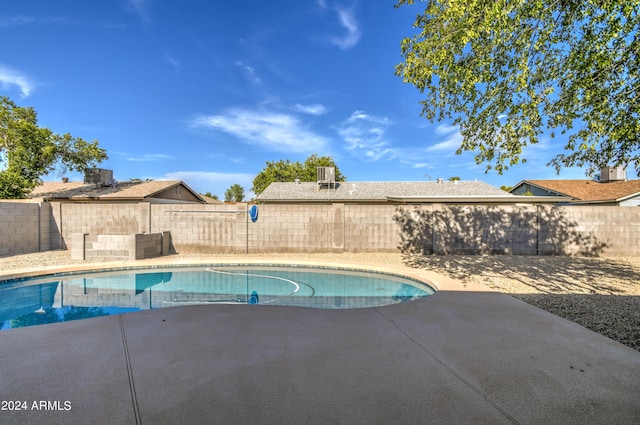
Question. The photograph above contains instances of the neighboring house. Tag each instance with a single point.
(621, 193)
(210, 200)
(102, 188)
(420, 192)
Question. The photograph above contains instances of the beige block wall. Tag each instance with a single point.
(426, 229)
(202, 228)
(590, 230)
(104, 219)
(20, 225)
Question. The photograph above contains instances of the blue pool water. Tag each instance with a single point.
(59, 298)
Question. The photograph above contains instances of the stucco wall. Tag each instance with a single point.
(427, 229)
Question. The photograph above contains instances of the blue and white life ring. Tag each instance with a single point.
(253, 213)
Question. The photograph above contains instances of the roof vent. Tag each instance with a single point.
(440, 180)
(612, 174)
(327, 177)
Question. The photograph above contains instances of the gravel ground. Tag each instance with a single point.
(602, 294)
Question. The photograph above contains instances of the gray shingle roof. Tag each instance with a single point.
(134, 191)
(379, 191)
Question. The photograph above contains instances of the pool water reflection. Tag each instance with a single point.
(39, 301)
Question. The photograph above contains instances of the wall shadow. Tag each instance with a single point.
(492, 230)
(597, 293)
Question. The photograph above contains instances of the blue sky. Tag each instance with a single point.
(208, 91)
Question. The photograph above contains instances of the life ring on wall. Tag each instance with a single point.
(253, 213)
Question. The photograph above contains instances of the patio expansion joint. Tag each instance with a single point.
(450, 369)
(132, 387)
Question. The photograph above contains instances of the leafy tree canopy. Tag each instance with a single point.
(505, 71)
(287, 171)
(235, 193)
(211, 195)
(27, 152)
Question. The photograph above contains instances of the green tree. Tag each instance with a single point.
(506, 71)
(234, 194)
(454, 178)
(27, 152)
(211, 195)
(506, 188)
(285, 170)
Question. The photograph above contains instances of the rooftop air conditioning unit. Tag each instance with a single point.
(612, 174)
(99, 176)
(326, 176)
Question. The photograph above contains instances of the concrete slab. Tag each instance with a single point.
(536, 366)
(67, 373)
(267, 364)
(463, 355)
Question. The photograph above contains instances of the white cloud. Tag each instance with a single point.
(149, 157)
(249, 73)
(315, 109)
(140, 8)
(448, 145)
(348, 21)
(418, 165)
(453, 141)
(270, 130)
(445, 129)
(172, 61)
(365, 134)
(14, 21)
(10, 77)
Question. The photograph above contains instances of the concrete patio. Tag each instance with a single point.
(465, 355)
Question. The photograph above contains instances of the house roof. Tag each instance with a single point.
(402, 192)
(122, 191)
(588, 190)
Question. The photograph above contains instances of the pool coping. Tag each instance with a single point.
(437, 281)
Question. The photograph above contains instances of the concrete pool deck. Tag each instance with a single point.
(466, 355)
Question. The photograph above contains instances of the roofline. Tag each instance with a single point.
(624, 198)
(539, 187)
(594, 201)
(177, 183)
(577, 200)
(321, 201)
(514, 199)
(197, 195)
(81, 198)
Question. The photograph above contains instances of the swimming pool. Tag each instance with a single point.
(73, 296)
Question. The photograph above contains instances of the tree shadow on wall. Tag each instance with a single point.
(493, 230)
(597, 293)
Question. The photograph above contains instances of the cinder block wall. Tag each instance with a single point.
(20, 228)
(104, 219)
(426, 229)
(109, 247)
(202, 228)
(590, 230)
